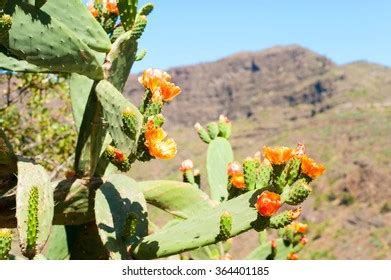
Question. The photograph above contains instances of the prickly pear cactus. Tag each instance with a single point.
(99, 214)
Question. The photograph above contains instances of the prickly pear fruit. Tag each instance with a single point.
(130, 123)
(202, 133)
(296, 193)
(264, 175)
(285, 218)
(225, 226)
(225, 127)
(250, 168)
(213, 130)
(5, 243)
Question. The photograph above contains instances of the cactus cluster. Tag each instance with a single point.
(96, 212)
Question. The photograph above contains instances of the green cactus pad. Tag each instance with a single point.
(146, 9)
(48, 43)
(33, 182)
(5, 243)
(201, 229)
(75, 15)
(9, 62)
(56, 247)
(113, 105)
(177, 198)
(117, 202)
(225, 129)
(73, 201)
(264, 251)
(120, 59)
(218, 156)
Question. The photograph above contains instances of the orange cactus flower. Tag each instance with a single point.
(268, 203)
(157, 145)
(159, 82)
(310, 168)
(293, 256)
(278, 155)
(301, 228)
(238, 181)
(186, 165)
(111, 6)
(300, 150)
(234, 168)
(94, 12)
(304, 240)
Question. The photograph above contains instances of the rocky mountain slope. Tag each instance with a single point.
(288, 94)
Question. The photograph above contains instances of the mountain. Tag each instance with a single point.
(288, 94)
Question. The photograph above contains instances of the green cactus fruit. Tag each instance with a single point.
(121, 215)
(32, 219)
(5, 26)
(173, 197)
(296, 193)
(34, 207)
(202, 133)
(250, 169)
(292, 170)
(5, 243)
(188, 177)
(225, 226)
(130, 125)
(127, 12)
(153, 108)
(141, 54)
(284, 218)
(218, 156)
(146, 9)
(264, 175)
(139, 26)
(213, 130)
(225, 127)
(279, 178)
(118, 158)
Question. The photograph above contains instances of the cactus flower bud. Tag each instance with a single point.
(300, 150)
(202, 133)
(186, 165)
(117, 158)
(274, 244)
(225, 127)
(278, 155)
(234, 168)
(301, 228)
(304, 240)
(292, 256)
(268, 203)
(129, 122)
(5, 26)
(310, 168)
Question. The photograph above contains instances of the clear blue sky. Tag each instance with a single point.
(183, 32)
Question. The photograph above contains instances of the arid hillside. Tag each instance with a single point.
(286, 95)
